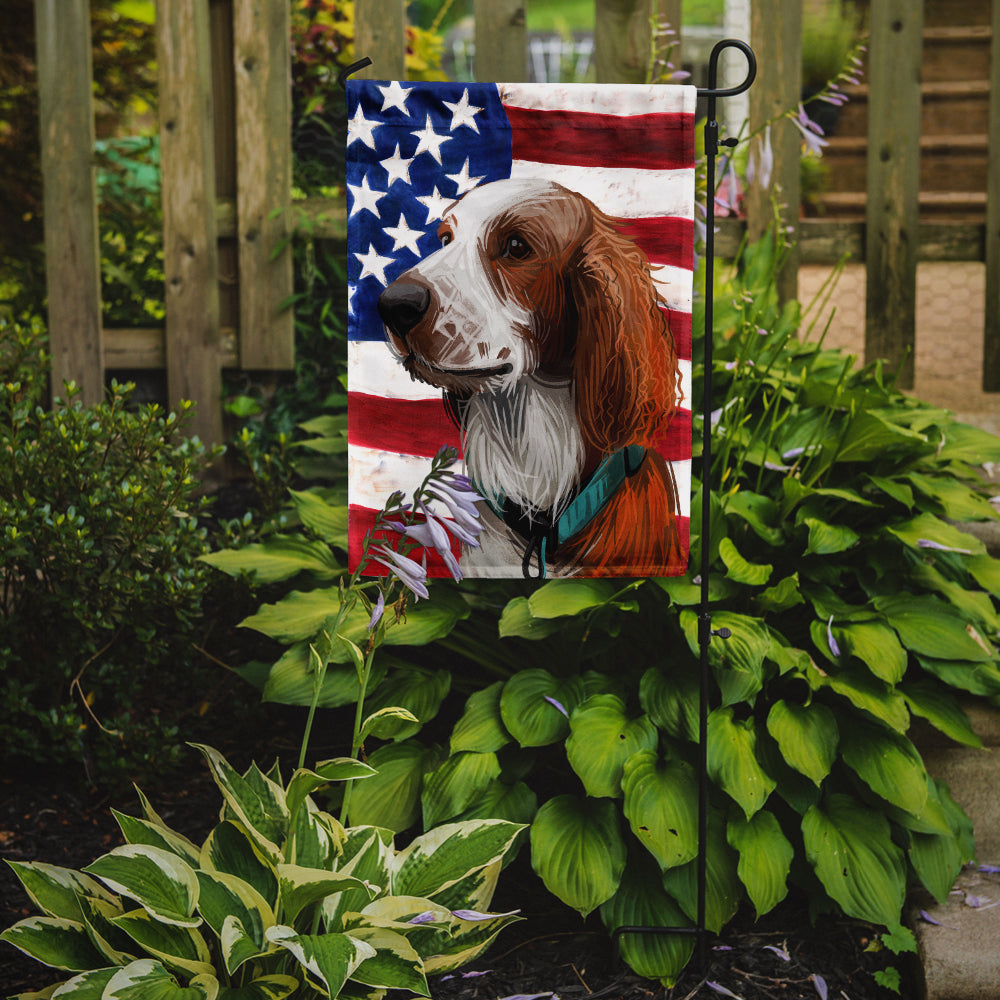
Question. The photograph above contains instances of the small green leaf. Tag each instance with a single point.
(517, 620)
(481, 727)
(739, 569)
(807, 736)
(671, 700)
(765, 858)
(827, 539)
(301, 887)
(560, 598)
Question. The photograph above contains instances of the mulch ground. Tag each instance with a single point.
(550, 953)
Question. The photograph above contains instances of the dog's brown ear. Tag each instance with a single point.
(626, 366)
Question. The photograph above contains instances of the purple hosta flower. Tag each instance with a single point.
(412, 574)
(927, 918)
(727, 197)
(761, 163)
(927, 543)
(557, 704)
(377, 612)
(431, 534)
(990, 869)
(465, 975)
(427, 917)
(531, 996)
(457, 494)
(475, 915)
(820, 983)
(834, 648)
(812, 134)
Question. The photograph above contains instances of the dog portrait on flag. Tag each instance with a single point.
(520, 271)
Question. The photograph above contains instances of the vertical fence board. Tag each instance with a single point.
(622, 40)
(776, 34)
(380, 34)
(190, 254)
(991, 333)
(262, 60)
(72, 256)
(893, 183)
(501, 41)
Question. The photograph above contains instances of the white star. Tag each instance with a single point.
(395, 97)
(364, 197)
(463, 113)
(397, 167)
(462, 179)
(430, 142)
(360, 128)
(435, 204)
(403, 236)
(373, 264)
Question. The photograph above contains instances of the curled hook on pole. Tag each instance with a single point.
(353, 68)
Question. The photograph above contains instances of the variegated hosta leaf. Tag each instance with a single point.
(304, 782)
(732, 760)
(468, 939)
(765, 858)
(177, 947)
(256, 801)
(366, 855)
(54, 941)
(86, 986)
(159, 881)
(230, 849)
(661, 799)
(441, 857)
(315, 839)
(149, 980)
(274, 987)
(329, 959)
(238, 944)
(224, 897)
(642, 902)
(300, 887)
(116, 946)
(602, 737)
(395, 964)
(850, 847)
(56, 891)
(475, 891)
(578, 851)
(141, 831)
(807, 736)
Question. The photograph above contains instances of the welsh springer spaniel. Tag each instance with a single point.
(539, 320)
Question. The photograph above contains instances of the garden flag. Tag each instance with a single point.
(520, 276)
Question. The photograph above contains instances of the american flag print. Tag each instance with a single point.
(413, 150)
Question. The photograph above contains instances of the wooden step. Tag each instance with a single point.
(957, 206)
(940, 13)
(945, 103)
(956, 53)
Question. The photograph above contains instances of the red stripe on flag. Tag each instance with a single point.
(680, 327)
(404, 426)
(663, 239)
(650, 142)
(674, 445)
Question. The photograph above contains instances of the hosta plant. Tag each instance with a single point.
(279, 900)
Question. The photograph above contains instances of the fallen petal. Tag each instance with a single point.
(780, 952)
(820, 983)
(719, 988)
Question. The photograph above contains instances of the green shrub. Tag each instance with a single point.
(99, 542)
(280, 899)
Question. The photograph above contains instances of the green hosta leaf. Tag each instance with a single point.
(54, 941)
(141, 831)
(327, 520)
(304, 782)
(180, 948)
(827, 539)
(870, 435)
(443, 856)
(965, 443)
(230, 849)
(893, 488)
(301, 887)
(732, 760)
(385, 723)
(850, 847)
(238, 944)
(602, 738)
(395, 964)
(530, 706)
(274, 987)
(958, 502)
(225, 897)
(758, 511)
(976, 678)
(260, 809)
(876, 646)
(671, 700)
(807, 736)
(418, 691)
(279, 558)
(928, 528)
(937, 860)
(765, 858)
(641, 901)
(159, 881)
(456, 784)
(976, 605)
(739, 569)
(661, 799)
(481, 728)
(559, 598)
(865, 692)
(723, 889)
(292, 680)
(516, 803)
(147, 979)
(738, 661)
(888, 763)
(783, 595)
(391, 798)
(517, 620)
(684, 592)
(56, 891)
(330, 959)
(932, 628)
(941, 709)
(986, 571)
(578, 851)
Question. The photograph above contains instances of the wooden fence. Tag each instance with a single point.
(226, 160)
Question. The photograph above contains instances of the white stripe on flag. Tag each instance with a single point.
(374, 475)
(605, 99)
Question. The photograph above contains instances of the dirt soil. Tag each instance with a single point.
(552, 953)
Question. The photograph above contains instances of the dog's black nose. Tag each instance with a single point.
(402, 305)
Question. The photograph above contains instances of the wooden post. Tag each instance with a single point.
(501, 41)
(893, 183)
(380, 34)
(72, 255)
(190, 253)
(262, 60)
(991, 333)
(622, 40)
(776, 35)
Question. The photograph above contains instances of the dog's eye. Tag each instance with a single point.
(516, 247)
(446, 238)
